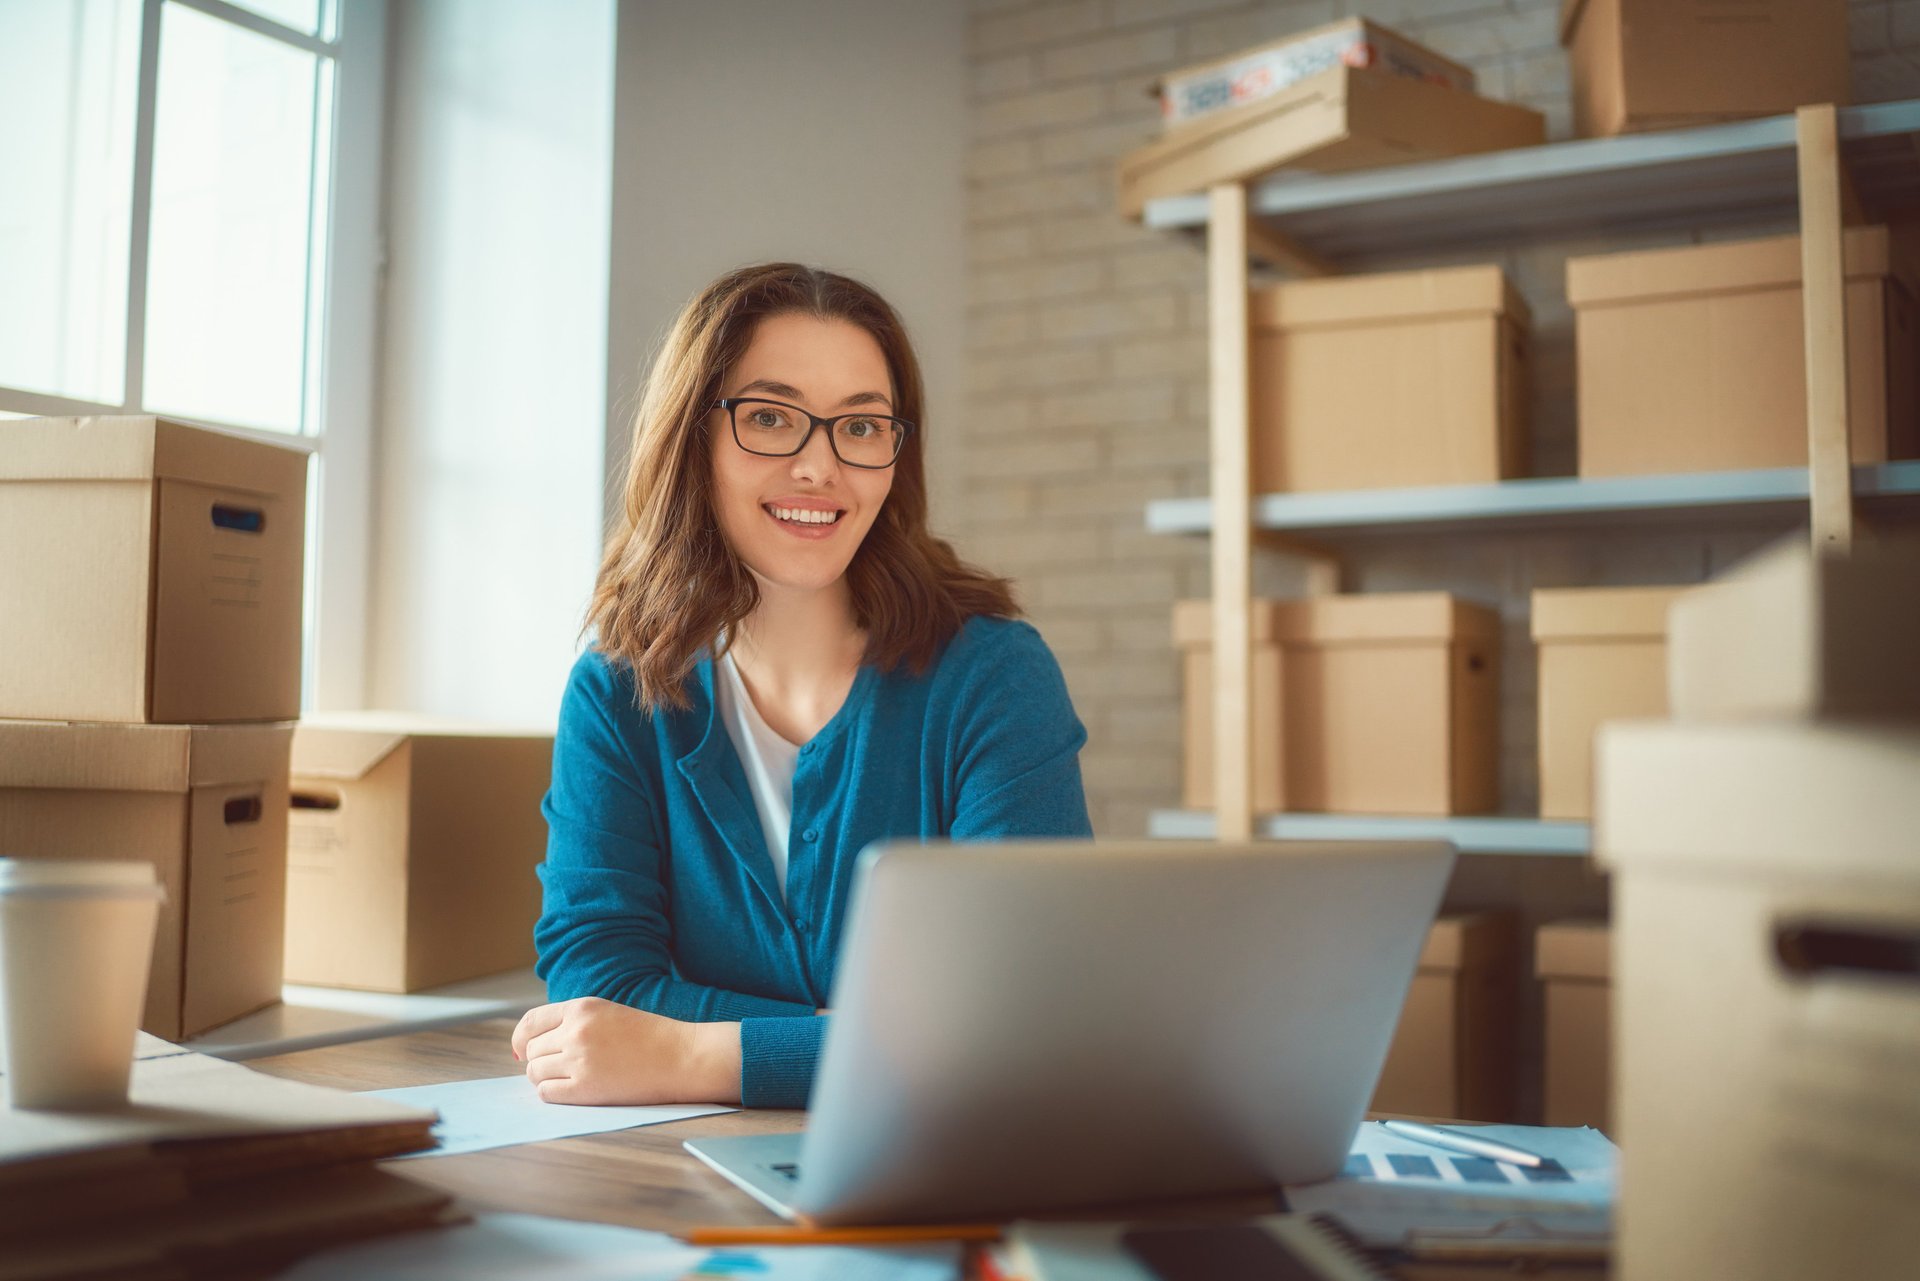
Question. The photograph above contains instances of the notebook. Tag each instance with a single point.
(1279, 1247)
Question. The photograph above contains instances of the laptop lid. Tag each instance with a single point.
(1025, 1026)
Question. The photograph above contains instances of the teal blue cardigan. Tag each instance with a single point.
(660, 894)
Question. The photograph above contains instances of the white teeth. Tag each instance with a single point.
(804, 515)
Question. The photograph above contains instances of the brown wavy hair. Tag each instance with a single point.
(670, 586)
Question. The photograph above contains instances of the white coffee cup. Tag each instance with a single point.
(76, 940)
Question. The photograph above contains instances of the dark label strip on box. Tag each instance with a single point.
(248, 520)
(243, 809)
(316, 801)
(1825, 950)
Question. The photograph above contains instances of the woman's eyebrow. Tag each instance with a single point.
(775, 388)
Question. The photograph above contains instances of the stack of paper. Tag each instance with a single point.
(209, 1169)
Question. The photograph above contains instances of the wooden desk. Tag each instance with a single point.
(641, 1178)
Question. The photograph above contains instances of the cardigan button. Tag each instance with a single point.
(811, 834)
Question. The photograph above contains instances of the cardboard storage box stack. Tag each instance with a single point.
(1392, 380)
(1344, 96)
(1453, 1052)
(1767, 930)
(1693, 359)
(412, 850)
(1657, 64)
(1603, 657)
(1380, 704)
(1573, 960)
(149, 659)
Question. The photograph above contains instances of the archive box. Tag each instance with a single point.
(1386, 381)
(1603, 656)
(151, 572)
(1767, 997)
(412, 850)
(1693, 359)
(1573, 960)
(207, 805)
(1381, 704)
(1453, 1052)
(1657, 64)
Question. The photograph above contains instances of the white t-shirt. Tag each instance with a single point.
(767, 758)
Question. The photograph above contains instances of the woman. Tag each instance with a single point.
(787, 668)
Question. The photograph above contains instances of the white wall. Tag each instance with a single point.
(493, 397)
(831, 132)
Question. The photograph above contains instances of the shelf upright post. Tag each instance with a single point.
(1229, 479)
(1823, 201)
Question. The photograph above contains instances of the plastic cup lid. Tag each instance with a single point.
(62, 873)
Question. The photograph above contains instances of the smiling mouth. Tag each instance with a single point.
(802, 515)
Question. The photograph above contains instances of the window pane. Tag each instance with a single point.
(68, 72)
(302, 15)
(232, 199)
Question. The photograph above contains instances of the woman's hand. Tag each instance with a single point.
(593, 1051)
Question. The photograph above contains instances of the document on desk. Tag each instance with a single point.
(501, 1111)
(1400, 1193)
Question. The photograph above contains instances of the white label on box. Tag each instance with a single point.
(1269, 71)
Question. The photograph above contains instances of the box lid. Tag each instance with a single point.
(1868, 253)
(137, 758)
(1574, 950)
(346, 745)
(1467, 940)
(1383, 617)
(132, 447)
(1397, 296)
(1602, 613)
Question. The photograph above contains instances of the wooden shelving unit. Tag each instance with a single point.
(1489, 834)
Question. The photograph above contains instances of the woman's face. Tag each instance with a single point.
(769, 508)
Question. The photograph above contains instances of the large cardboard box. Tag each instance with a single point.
(1603, 657)
(1341, 118)
(1661, 64)
(412, 850)
(1382, 704)
(1453, 1053)
(1767, 997)
(1573, 960)
(207, 805)
(1693, 359)
(151, 572)
(1795, 634)
(1387, 381)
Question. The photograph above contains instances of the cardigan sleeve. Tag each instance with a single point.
(1017, 744)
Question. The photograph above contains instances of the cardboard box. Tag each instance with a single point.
(412, 850)
(208, 806)
(1574, 962)
(1603, 657)
(1388, 381)
(1767, 997)
(1792, 634)
(152, 572)
(1342, 118)
(1382, 704)
(1662, 64)
(1693, 359)
(1452, 1055)
(1266, 69)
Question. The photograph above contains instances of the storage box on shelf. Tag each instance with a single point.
(1453, 1051)
(1691, 359)
(1386, 704)
(1574, 962)
(1393, 380)
(1602, 657)
(412, 850)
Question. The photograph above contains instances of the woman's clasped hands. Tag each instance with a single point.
(593, 1051)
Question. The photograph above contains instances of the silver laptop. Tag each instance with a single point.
(1022, 1027)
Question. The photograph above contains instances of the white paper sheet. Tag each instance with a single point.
(500, 1111)
(524, 1245)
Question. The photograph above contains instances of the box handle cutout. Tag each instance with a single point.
(316, 800)
(248, 520)
(243, 809)
(1808, 950)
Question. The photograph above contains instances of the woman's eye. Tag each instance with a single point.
(767, 418)
(861, 427)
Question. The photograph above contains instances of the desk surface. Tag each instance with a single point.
(641, 1177)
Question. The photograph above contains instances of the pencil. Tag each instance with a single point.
(800, 1235)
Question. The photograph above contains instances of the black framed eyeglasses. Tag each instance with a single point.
(775, 429)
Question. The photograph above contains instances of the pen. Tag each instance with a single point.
(1462, 1143)
(801, 1235)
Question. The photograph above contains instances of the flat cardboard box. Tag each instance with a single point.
(1574, 962)
(1766, 912)
(1795, 634)
(1693, 359)
(412, 850)
(1603, 656)
(1662, 64)
(1342, 118)
(1394, 380)
(1259, 72)
(1378, 704)
(152, 572)
(208, 806)
(1453, 1052)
